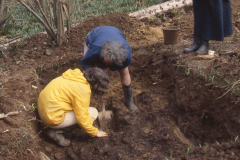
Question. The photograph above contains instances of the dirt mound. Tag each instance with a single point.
(179, 114)
(135, 31)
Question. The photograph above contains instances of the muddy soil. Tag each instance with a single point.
(188, 108)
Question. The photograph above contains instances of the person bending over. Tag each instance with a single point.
(64, 102)
(107, 48)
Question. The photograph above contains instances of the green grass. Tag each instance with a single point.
(101, 7)
(29, 25)
(227, 83)
(187, 71)
(25, 26)
(34, 107)
(27, 135)
(18, 143)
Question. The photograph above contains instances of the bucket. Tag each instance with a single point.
(171, 34)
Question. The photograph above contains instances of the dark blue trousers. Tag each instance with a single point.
(213, 19)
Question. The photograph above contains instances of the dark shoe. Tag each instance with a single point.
(127, 91)
(195, 46)
(203, 48)
(57, 135)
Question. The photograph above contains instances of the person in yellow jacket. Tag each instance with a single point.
(64, 102)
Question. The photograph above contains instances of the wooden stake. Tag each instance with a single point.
(205, 57)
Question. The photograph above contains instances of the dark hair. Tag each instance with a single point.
(98, 80)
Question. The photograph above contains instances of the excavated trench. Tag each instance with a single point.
(176, 111)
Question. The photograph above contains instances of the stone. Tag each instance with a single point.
(48, 52)
(48, 149)
(42, 156)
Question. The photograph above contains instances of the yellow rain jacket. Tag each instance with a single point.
(71, 91)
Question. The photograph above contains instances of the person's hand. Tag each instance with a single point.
(106, 69)
(101, 134)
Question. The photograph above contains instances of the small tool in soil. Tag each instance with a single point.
(104, 117)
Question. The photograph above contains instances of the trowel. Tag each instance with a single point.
(104, 117)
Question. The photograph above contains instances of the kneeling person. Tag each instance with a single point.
(64, 102)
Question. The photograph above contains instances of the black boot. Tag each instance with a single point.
(127, 91)
(57, 135)
(194, 47)
(203, 48)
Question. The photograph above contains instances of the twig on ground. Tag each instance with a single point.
(145, 64)
(229, 90)
(31, 152)
(16, 19)
(12, 113)
(32, 119)
(4, 54)
(5, 131)
(37, 134)
(2, 115)
(220, 64)
(229, 52)
(10, 40)
(157, 82)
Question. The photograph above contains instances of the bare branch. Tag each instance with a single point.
(35, 14)
(4, 20)
(59, 25)
(51, 13)
(79, 7)
(44, 6)
(229, 89)
(68, 17)
(55, 12)
(10, 40)
(45, 16)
